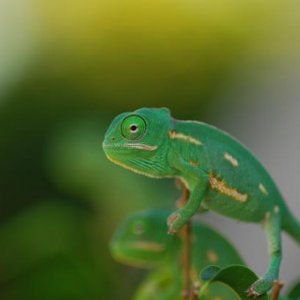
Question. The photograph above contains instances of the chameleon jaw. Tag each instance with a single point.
(147, 246)
(130, 146)
(130, 168)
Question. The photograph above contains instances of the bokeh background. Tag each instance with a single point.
(68, 67)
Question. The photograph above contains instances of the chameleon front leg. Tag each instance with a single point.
(272, 226)
(177, 219)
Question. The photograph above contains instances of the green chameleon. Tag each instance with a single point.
(141, 240)
(220, 173)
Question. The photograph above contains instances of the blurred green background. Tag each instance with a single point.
(66, 69)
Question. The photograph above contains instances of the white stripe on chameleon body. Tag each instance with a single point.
(180, 136)
(276, 209)
(263, 189)
(221, 187)
(141, 146)
(231, 159)
(135, 146)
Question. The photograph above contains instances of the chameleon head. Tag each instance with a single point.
(135, 140)
(142, 240)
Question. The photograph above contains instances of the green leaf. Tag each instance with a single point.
(234, 279)
(294, 293)
(209, 272)
(160, 285)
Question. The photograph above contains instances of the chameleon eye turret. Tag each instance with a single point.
(138, 228)
(133, 127)
(141, 240)
(136, 141)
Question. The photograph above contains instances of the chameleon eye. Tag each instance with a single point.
(133, 127)
(138, 228)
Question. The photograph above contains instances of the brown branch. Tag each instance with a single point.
(185, 193)
(186, 259)
(186, 239)
(195, 291)
(277, 286)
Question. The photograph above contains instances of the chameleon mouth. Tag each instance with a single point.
(131, 146)
(126, 253)
(147, 246)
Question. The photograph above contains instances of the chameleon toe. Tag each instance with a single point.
(172, 222)
(251, 293)
(259, 288)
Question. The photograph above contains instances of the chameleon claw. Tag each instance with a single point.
(252, 293)
(172, 232)
(173, 222)
(173, 218)
(259, 287)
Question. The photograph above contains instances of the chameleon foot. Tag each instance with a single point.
(259, 288)
(175, 222)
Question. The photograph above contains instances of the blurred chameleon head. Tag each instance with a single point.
(135, 140)
(142, 240)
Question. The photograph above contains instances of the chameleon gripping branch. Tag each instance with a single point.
(219, 172)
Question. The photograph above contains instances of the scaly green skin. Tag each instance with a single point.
(220, 173)
(141, 240)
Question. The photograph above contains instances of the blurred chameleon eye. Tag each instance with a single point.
(133, 127)
(138, 228)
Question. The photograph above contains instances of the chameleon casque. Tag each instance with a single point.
(141, 240)
(220, 173)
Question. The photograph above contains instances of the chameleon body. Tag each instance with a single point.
(141, 240)
(221, 174)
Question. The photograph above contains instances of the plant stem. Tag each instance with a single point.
(195, 291)
(277, 286)
(186, 239)
(186, 259)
